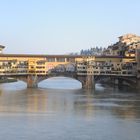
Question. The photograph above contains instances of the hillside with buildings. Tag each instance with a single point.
(126, 46)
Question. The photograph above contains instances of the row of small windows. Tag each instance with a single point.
(60, 60)
(40, 71)
(13, 71)
(40, 67)
(106, 72)
(37, 71)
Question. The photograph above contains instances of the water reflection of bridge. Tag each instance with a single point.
(87, 103)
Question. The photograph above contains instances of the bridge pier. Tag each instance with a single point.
(32, 81)
(88, 81)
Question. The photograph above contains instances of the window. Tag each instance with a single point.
(50, 59)
(60, 59)
(70, 59)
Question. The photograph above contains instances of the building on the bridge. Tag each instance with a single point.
(1, 48)
(106, 65)
(36, 64)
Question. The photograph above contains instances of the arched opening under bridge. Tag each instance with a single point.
(18, 85)
(60, 83)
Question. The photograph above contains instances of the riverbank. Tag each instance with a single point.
(8, 80)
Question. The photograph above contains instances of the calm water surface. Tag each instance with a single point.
(70, 113)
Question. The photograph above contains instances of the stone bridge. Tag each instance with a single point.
(33, 69)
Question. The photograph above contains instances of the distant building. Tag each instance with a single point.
(1, 48)
(126, 46)
(129, 39)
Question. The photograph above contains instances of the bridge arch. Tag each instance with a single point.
(130, 82)
(32, 81)
(60, 82)
(119, 80)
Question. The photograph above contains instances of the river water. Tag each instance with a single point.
(60, 109)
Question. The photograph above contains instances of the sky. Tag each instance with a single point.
(65, 26)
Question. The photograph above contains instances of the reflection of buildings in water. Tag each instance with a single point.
(10, 102)
(125, 112)
(37, 103)
(43, 102)
(60, 102)
(0, 92)
(1, 102)
(85, 104)
(88, 103)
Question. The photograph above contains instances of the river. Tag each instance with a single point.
(60, 109)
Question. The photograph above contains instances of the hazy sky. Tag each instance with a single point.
(63, 26)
